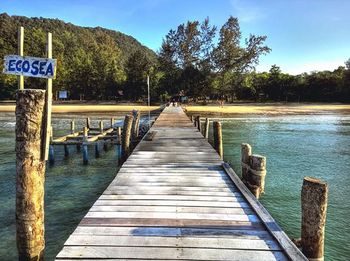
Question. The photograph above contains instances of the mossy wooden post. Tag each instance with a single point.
(314, 197)
(101, 126)
(198, 123)
(217, 130)
(135, 124)
(206, 128)
(112, 123)
(256, 175)
(88, 123)
(119, 138)
(85, 146)
(51, 149)
(246, 152)
(30, 174)
(126, 137)
(72, 126)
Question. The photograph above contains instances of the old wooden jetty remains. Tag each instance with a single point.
(174, 198)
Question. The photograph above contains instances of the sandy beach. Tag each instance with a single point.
(226, 110)
(270, 109)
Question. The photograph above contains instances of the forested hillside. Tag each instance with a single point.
(91, 61)
(197, 59)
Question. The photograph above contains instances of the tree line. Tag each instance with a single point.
(196, 59)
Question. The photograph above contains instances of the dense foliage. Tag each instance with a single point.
(196, 59)
(92, 62)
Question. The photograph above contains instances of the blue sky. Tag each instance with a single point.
(304, 35)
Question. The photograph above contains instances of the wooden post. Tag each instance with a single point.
(206, 128)
(199, 126)
(101, 126)
(256, 175)
(135, 124)
(246, 152)
(119, 147)
(66, 150)
(112, 122)
(21, 53)
(88, 123)
(119, 134)
(72, 126)
(126, 137)
(314, 197)
(30, 174)
(51, 149)
(48, 103)
(97, 150)
(217, 130)
(85, 146)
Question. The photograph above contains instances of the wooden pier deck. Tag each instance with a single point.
(175, 199)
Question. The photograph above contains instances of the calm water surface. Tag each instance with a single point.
(295, 146)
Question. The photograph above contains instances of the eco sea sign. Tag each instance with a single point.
(30, 66)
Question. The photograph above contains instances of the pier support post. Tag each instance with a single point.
(66, 151)
(51, 149)
(192, 118)
(198, 123)
(135, 124)
(253, 170)
(246, 152)
(314, 197)
(112, 122)
(88, 123)
(72, 126)
(206, 128)
(97, 150)
(119, 147)
(217, 130)
(85, 146)
(30, 174)
(101, 126)
(126, 137)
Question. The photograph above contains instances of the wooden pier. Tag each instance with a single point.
(174, 198)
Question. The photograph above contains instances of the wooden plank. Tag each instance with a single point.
(213, 210)
(188, 242)
(173, 215)
(247, 232)
(160, 222)
(187, 203)
(165, 253)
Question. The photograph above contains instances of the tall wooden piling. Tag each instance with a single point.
(101, 126)
(30, 174)
(253, 170)
(206, 128)
(51, 149)
(66, 150)
(88, 123)
(217, 130)
(246, 152)
(72, 126)
(135, 124)
(85, 146)
(112, 122)
(198, 123)
(314, 197)
(97, 150)
(126, 137)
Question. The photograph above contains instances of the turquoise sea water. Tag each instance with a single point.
(295, 146)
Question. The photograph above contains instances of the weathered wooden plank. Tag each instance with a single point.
(165, 253)
(213, 210)
(187, 203)
(173, 215)
(188, 242)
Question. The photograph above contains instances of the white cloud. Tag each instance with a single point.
(246, 12)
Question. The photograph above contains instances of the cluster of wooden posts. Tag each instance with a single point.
(89, 136)
(314, 192)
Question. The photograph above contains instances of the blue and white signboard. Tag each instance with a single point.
(30, 66)
(63, 95)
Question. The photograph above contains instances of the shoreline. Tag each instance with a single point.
(270, 109)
